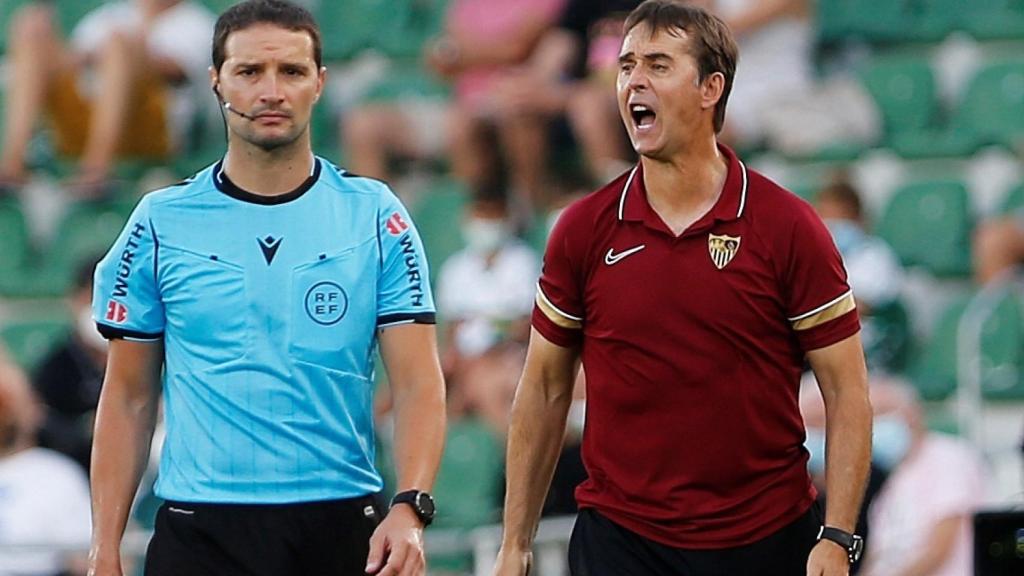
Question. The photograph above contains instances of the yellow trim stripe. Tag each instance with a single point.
(555, 315)
(831, 311)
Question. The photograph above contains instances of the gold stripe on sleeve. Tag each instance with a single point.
(831, 312)
(555, 315)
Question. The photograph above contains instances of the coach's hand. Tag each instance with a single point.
(828, 559)
(396, 547)
(513, 562)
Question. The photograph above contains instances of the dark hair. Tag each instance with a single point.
(277, 12)
(713, 46)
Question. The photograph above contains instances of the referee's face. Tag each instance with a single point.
(662, 100)
(270, 76)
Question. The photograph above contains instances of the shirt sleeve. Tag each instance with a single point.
(558, 307)
(403, 287)
(126, 301)
(818, 300)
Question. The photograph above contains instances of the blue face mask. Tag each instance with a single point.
(890, 441)
(845, 233)
(815, 444)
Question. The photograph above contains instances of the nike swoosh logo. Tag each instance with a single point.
(611, 258)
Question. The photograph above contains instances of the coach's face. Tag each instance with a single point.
(270, 75)
(662, 100)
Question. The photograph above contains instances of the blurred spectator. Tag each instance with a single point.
(875, 276)
(485, 291)
(777, 100)
(488, 45)
(921, 519)
(121, 87)
(587, 41)
(488, 384)
(44, 496)
(68, 379)
(999, 246)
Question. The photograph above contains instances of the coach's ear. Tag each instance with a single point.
(711, 90)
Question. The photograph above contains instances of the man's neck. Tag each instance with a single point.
(269, 173)
(686, 186)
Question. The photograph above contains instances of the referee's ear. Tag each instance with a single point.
(214, 80)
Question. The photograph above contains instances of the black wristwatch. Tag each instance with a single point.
(421, 503)
(853, 543)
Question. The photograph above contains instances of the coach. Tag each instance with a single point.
(693, 289)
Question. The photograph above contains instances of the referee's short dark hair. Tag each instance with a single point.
(277, 12)
(712, 44)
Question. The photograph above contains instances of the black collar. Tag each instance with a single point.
(225, 185)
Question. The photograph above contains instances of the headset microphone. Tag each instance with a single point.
(229, 108)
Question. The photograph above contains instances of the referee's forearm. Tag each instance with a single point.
(419, 433)
(124, 430)
(535, 439)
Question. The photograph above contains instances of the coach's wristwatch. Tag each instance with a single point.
(421, 503)
(853, 543)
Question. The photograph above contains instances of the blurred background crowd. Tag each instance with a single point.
(901, 121)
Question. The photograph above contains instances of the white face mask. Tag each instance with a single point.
(484, 235)
(890, 440)
(86, 328)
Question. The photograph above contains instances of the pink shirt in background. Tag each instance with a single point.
(489, 22)
(944, 478)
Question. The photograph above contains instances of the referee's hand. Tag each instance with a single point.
(396, 547)
(513, 563)
(104, 565)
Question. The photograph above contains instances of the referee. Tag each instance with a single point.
(264, 285)
(693, 289)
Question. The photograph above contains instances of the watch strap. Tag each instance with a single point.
(852, 543)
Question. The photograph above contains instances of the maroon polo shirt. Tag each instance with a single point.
(693, 347)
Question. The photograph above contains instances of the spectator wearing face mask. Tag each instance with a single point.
(875, 276)
(69, 377)
(485, 291)
(921, 519)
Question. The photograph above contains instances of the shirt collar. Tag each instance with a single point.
(225, 185)
(633, 205)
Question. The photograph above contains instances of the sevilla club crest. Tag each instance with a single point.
(723, 249)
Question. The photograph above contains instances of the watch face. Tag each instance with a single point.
(425, 504)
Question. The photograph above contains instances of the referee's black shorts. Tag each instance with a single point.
(599, 547)
(329, 538)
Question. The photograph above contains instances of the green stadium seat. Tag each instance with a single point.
(468, 486)
(1013, 201)
(70, 12)
(904, 90)
(28, 341)
(438, 215)
(880, 20)
(993, 105)
(354, 25)
(1002, 357)
(929, 224)
(88, 229)
(14, 237)
(1004, 20)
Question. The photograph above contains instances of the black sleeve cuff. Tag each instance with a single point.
(112, 333)
(406, 318)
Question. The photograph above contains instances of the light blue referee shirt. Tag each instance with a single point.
(268, 308)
